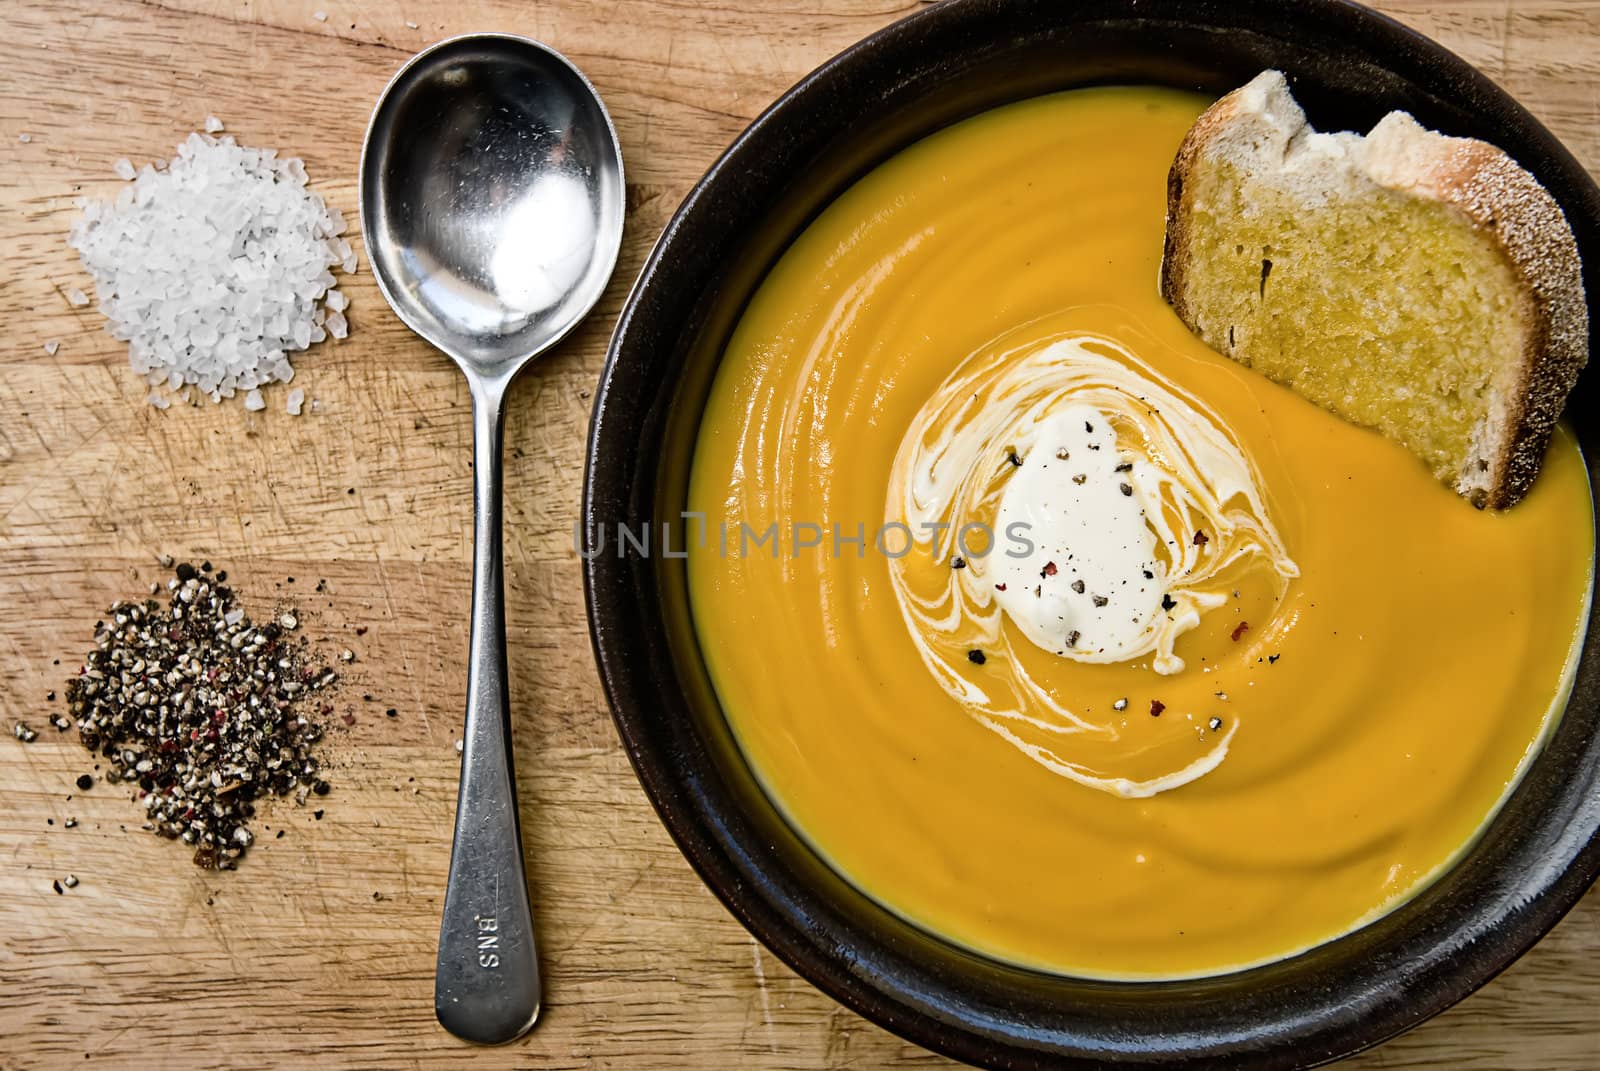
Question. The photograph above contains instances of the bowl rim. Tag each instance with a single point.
(625, 678)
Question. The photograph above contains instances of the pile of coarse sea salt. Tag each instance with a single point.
(215, 267)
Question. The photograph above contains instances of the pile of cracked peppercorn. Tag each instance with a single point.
(202, 709)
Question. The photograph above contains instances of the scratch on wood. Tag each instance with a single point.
(761, 991)
(1505, 38)
(405, 651)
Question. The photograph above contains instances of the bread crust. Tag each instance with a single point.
(1508, 205)
(1501, 201)
(1175, 246)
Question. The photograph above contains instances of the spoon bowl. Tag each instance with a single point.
(491, 198)
(492, 206)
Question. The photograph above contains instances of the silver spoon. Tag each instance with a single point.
(492, 205)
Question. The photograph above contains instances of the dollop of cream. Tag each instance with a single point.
(1094, 506)
(1078, 572)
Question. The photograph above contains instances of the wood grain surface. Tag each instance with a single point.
(322, 946)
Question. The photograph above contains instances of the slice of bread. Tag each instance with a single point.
(1423, 285)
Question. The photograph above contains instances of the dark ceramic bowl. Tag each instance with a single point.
(1348, 66)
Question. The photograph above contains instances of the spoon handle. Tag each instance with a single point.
(486, 987)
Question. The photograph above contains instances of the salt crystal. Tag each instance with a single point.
(24, 138)
(51, 345)
(337, 301)
(213, 265)
(77, 297)
(254, 402)
(320, 16)
(123, 168)
(410, 25)
(336, 325)
(295, 400)
(157, 399)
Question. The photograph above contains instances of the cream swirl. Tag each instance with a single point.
(1117, 508)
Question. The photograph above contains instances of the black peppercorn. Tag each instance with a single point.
(203, 710)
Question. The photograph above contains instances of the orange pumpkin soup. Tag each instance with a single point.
(1074, 642)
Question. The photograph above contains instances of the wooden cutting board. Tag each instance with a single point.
(322, 946)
